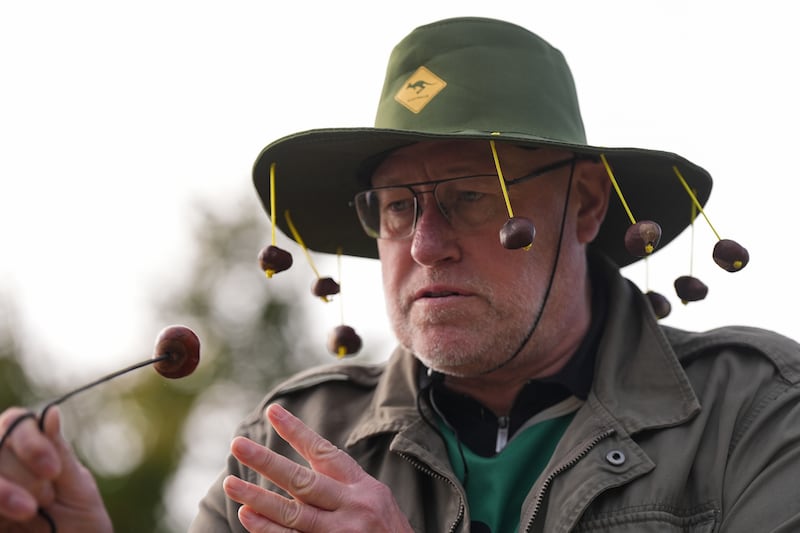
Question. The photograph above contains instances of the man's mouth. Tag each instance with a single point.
(439, 294)
(441, 291)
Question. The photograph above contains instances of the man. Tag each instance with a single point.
(533, 389)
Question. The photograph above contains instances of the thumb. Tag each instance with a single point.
(52, 422)
(78, 505)
(74, 478)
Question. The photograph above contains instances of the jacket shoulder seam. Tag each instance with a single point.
(781, 351)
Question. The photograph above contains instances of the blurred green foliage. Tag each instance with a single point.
(148, 439)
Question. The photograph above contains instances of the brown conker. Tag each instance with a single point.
(690, 289)
(181, 347)
(642, 238)
(273, 260)
(343, 340)
(659, 303)
(730, 255)
(324, 287)
(517, 232)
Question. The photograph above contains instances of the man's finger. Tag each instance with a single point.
(16, 503)
(302, 483)
(273, 508)
(30, 446)
(323, 456)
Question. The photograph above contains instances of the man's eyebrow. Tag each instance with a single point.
(438, 180)
(459, 172)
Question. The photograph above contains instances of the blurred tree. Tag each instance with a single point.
(156, 445)
(15, 386)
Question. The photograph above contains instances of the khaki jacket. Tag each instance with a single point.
(681, 432)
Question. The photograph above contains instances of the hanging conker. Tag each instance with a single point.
(343, 340)
(324, 287)
(659, 303)
(182, 348)
(517, 232)
(642, 238)
(730, 255)
(273, 260)
(690, 289)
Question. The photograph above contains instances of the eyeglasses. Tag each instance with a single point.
(467, 202)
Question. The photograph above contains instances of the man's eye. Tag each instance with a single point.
(399, 206)
(470, 196)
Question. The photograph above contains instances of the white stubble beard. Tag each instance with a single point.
(468, 342)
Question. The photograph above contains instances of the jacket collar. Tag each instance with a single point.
(638, 376)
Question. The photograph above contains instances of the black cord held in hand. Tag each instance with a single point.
(177, 354)
(63, 398)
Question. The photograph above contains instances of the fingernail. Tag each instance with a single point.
(277, 412)
(247, 515)
(232, 486)
(245, 448)
(17, 504)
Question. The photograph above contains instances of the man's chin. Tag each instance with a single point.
(452, 362)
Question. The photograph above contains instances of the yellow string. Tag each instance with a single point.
(502, 181)
(299, 240)
(339, 272)
(341, 351)
(691, 242)
(694, 200)
(616, 188)
(272, 198)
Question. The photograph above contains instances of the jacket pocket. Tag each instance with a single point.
(651, 519)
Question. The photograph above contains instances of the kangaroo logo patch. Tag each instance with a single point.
(419, 89)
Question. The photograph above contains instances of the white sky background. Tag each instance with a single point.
(115, 118)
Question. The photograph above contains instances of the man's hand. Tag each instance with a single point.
(39, 470)
(335, 494)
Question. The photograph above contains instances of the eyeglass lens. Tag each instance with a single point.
(467, 202)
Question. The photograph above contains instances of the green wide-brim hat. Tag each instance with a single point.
(466, 78)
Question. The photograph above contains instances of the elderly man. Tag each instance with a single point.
(532, 389)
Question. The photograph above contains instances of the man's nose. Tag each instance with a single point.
(434, 239)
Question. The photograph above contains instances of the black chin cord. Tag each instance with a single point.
(547, 291)
(436, 378)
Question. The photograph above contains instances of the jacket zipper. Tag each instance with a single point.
(424, 468)
(502, 434)
(562, 468)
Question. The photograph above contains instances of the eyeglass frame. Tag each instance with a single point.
(550, 167)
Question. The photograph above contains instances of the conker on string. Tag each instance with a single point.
(642, 238)
(690, 289)
(659, 303)
(517, 232)
(730, 255)
(324, 287)
(273, 260)
(343, 340)
(181, 347)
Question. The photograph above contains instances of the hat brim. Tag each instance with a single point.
(317, 171)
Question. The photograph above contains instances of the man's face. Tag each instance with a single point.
(455, 297)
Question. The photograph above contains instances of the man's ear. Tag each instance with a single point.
(592, 190)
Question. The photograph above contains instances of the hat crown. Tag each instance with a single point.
(480, 75)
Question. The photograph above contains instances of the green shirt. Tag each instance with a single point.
(497, 486)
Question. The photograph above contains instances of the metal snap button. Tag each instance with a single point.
(615, 457)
